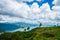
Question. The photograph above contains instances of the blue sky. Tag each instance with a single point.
(30, 11)
(40, 3)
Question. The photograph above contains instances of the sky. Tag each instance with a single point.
(30, 11)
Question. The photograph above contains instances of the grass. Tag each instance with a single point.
(41, 33)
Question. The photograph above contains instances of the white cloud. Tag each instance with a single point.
(24, 0)
(14, 8)
(56, 10)
(56, 2)
(31, 14)
(7, 18)
(35, 8)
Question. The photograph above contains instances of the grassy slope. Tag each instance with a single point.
(47, 33)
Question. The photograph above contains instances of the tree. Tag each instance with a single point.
(24, 29)
(28, 28)
(40, 24)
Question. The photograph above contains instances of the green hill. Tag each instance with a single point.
(41, 33)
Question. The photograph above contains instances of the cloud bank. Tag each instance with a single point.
(14, 11)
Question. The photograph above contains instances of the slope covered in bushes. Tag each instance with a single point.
(41, 33)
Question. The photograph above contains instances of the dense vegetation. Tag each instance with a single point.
(42, 33)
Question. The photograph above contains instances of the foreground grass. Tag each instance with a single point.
(42, 33)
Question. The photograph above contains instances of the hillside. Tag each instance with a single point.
(42, 33)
